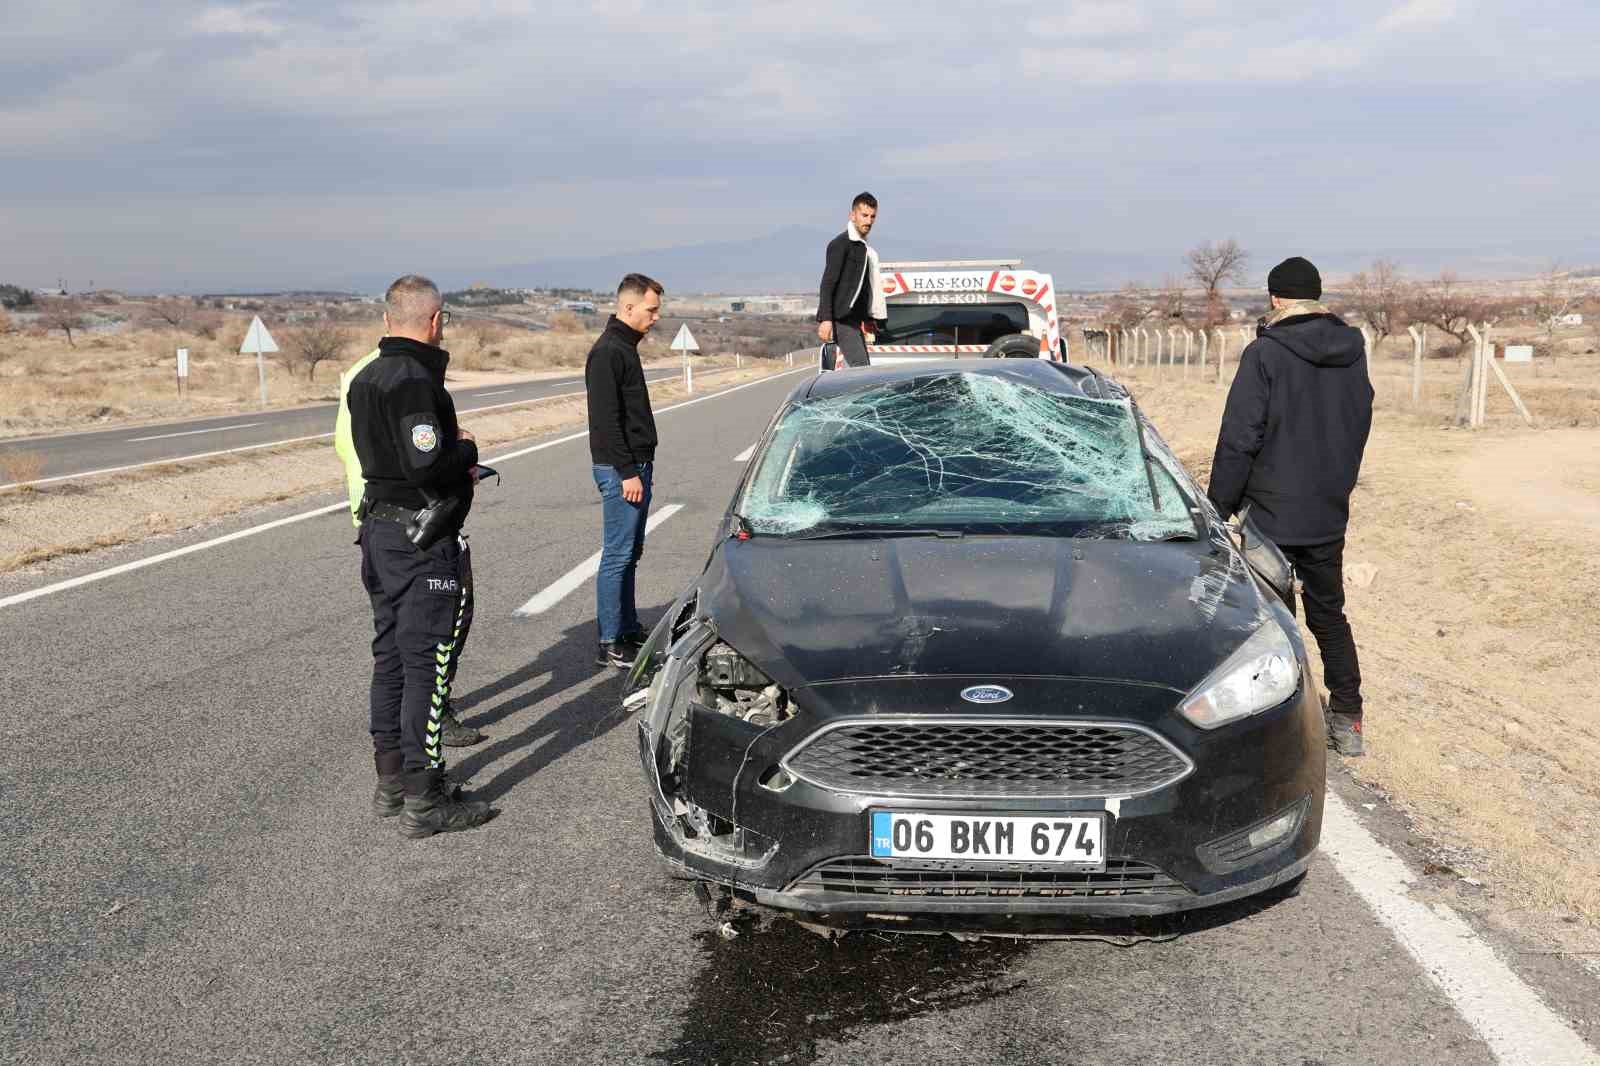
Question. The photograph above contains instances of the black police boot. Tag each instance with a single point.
(429, 809)
(389, 797)
(616, 653)
(452, 734)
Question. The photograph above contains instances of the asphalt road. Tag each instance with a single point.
(189, 871)
(77, 453)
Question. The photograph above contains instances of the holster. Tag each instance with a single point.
(430, 525)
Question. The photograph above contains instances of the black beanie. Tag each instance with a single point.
(1295, 279)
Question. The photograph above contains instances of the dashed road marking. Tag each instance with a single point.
(569, 582)
(744, 456)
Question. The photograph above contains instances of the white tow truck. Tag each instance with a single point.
(965, 307)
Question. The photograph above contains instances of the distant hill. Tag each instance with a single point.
(790, 260)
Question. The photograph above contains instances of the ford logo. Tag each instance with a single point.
(986, 694)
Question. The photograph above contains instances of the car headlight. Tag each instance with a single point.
(1261, 674)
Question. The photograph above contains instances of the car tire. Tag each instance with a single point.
(1014, 346)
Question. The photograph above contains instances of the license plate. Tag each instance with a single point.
(1073, 839)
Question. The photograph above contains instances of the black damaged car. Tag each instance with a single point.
(971, 641)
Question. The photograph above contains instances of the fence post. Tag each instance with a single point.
(1416, 365)
(1157, 332)
(1483, 375)
(1474, 372)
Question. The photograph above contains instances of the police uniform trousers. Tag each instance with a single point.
(421, 613)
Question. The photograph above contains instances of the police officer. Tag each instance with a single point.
(413, 456)
(452, 733)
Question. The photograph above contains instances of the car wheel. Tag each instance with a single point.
(1014, 346)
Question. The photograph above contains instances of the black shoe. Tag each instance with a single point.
(616, 653)
(429, 808)
(1344, 734)
(389, 797)
(452, 734)
(634, 638)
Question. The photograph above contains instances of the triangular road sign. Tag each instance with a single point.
(684, 341)
(258, 339)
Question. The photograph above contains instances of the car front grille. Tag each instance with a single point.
(955, 758)
(865, 876)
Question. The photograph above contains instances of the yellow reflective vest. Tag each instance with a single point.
(345, 444)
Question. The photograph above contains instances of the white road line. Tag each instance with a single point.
(289, 440)
(497, 392)
(569, 582)
(191, 432)
(139, 564)
(1519, 1029)
(744, 456)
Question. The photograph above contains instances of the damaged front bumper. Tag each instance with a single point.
(726, 810)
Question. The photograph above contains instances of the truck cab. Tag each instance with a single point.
(966, 307)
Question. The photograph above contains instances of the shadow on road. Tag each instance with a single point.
(570, 664)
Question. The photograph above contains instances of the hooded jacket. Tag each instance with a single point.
(1295, 428)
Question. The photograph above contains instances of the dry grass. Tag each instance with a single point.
(106, 512)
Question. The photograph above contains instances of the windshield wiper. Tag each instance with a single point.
(871, 532)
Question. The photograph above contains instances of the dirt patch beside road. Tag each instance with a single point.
(73, 517)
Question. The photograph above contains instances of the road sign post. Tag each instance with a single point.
(258, 340)
(684, 342)
(183, 369)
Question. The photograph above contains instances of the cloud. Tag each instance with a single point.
(249, 20)
(526, 121)
(1418, 14)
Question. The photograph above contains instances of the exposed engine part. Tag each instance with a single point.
(731, 684)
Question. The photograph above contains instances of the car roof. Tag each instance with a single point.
(1068, 379)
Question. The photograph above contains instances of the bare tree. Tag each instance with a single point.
(1447, 304)
(1381, 296)
(171, 312)
(1555, 298)
(318, 341)
(1212, 265)
(64, 313)
(1130, 307)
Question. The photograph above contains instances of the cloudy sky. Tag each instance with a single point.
(178, 145)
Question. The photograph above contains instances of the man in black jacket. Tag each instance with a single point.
(1289, 450)
(622, 447)
(413, 454)
(850, 297)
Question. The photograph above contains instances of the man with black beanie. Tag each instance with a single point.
(1288, 453)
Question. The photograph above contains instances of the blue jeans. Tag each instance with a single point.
(622, 544)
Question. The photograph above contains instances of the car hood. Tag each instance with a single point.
(807, 612)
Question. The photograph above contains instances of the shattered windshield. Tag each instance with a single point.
(978, 453)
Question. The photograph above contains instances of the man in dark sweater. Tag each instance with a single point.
(1289, 451)
(850, 297)
(622, 445)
